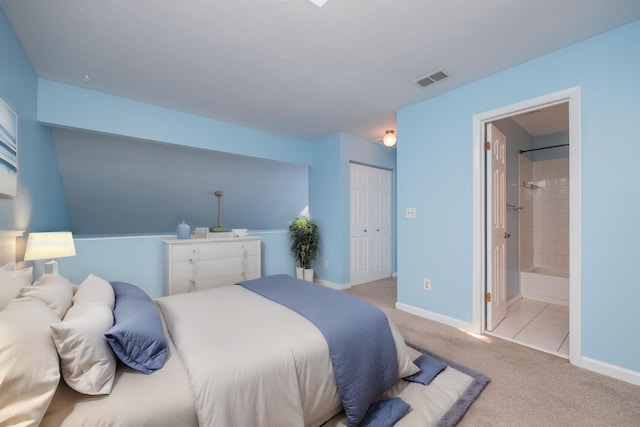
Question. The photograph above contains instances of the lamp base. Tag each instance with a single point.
(51, 267)
(217, 229)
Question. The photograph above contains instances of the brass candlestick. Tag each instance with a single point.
(218, 228)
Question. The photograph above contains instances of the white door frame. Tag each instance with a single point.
(572, 96)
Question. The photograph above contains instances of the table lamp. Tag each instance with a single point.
(48, 246)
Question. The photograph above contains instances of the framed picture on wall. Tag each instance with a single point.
(8, 151)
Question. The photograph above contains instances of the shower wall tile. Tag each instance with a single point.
(526, 215)
(548, 218)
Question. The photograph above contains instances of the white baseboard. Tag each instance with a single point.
(613, 371)
(332, 285)
(394, 274)
(456, 323)
(599, 367)
(514, 300)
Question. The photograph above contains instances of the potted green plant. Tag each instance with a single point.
(305, 241)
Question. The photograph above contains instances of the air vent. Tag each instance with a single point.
(432, 78)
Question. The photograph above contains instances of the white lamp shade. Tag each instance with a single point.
(49, 245)
(389, 138)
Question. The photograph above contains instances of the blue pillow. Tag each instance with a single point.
(429, 369)
(385, 413)
(137, 336)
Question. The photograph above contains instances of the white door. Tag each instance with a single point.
(370, 224)
(496, 296)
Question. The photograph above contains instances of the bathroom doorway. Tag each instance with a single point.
(541, 209)
(537, 218)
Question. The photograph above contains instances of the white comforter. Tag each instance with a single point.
(252, 362)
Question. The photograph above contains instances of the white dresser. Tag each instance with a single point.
(197, 264)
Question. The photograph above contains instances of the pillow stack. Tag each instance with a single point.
(56, 329)
(88, 364)
(28, 357)
(11, 281)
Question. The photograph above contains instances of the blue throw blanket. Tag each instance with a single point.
(360, 342)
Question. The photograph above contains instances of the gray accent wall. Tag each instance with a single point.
(117, 185)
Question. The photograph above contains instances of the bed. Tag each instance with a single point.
(234, 355)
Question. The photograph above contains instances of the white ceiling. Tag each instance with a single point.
(545, 121)
(288, 66)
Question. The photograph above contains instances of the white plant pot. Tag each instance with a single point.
(308, 274)
(299, 273)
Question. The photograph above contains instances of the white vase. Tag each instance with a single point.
(308, 274)
(299, 273)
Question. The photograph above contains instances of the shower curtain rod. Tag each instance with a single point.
(543, 148)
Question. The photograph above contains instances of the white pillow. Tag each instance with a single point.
(53, 290)
(29, 364)
(87, 361)
(7, 273)
(9, 288)
(95, 289)
(10, 266)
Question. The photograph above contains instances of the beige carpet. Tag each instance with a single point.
(528, 387)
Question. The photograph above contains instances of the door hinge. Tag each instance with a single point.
(487, 297)
(487, 146)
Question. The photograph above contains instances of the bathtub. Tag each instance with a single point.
(545, 284)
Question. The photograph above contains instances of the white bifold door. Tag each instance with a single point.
(370, 223)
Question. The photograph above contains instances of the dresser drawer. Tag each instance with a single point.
(195, 265)
(221, 250)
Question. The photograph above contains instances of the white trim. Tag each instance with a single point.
(514, 300)
(575, 225)
(440, 318)
(394, 274)
(332, 285)
(127, 237)
(8, 233)
(613, 371)
(156, 236)
(572, 95)
(535, 347)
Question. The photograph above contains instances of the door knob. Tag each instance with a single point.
(507, 235)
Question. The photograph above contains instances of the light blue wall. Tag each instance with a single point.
(435, 175)
(139, 260)
(325, 184)
(40, 204)
(329, 197)
(74, 107)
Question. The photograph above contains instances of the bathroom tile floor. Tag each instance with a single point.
(537, 324)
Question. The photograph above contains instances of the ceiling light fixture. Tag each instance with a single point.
(319, 3)
(389, 138)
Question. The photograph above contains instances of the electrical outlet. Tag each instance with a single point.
(410, 213)
(427, 284)
(325, 263)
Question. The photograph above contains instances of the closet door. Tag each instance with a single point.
(370, 223)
